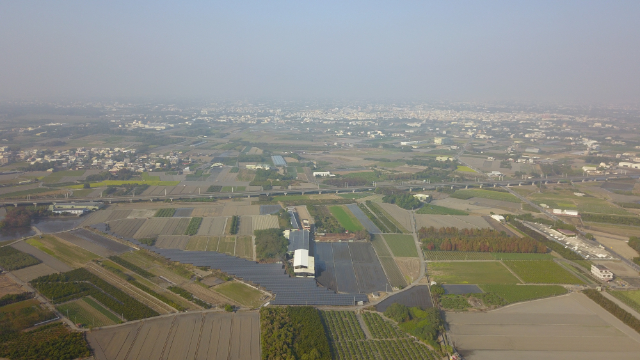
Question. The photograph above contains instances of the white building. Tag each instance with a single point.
(322, 173)
(303, 264)
(422, 197)
(629, 165)
(498, 218)
(601, 272)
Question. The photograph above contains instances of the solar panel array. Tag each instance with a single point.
(278, 160)
(272, 277)
(298, 239)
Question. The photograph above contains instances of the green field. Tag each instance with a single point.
(486, 272)
(401, 245)
(85, 311)
(631, 298)
(346, 219)
(290, 197)
(240, 293)
(72, 255)
(367, 175)
(440, 210)
(486, 194)
(542, 272)
(24, 193)
(82, 193)
(462, 255)
(566, 200)
(517, 293)
(465, 169)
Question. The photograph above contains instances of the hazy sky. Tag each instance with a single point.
(420, 50)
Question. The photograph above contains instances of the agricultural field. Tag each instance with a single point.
(240, 293)
(167, 212)
(125, 182)
(401, 245)
(346, 219)
(463, 255)
(213, 335)
(141, 213)
(457, 221)
(212, 226)
(485, 272)
(486, 194)
(517, 293)
(194, 226)
(8, 286)
(391, 269)
(88, 313)
(348, 340)
(567, 200)
(244, 247)
(58, 175)
(162, 226)
(263, 222)
(556, 328)
(629, 297)
(126, 227)
(400, 219)
(439, 210)
(202, 243)
(465, 169)
(14, 259)
(71, 255)
(542, 272)
(172, 241)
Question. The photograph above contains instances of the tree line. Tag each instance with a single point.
(614, 309)
(80, 282)
(292, 333)
(476, 240)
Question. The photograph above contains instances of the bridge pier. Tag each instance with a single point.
(494, 185)
(466, 186)
(520, 184)
(480, 186)
(353, 191)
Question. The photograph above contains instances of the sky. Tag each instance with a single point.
(535, 51)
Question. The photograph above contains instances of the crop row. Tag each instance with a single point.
(383, 217)
(380, 328)
(397, 349)
(80, 282)
(235, 224)
(189, 296)
(135, 268)
(342, 325)
(373, 218)
(167, 212)
(194, 225)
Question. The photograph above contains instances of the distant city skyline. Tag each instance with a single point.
(555, 52)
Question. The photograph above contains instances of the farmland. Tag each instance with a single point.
(401, 245)
(517, 293)
(13, 259)
(71, 255)
(346, 219)
(486, 194)
(542, 272)
(194, 226)
(464, 255)
(486, 272)
(240, 293)
(629, 297)
(391, 269)
(348, 341)
(167, 212)
(232, 336)
(86, 313)
(439, 210)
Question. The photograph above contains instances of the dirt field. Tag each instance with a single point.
(202, 243)
(96, 217)
(141, 213)
(303, 213)
(246, 225)
(212, 226)
(458, 221)
(207, 211)
(401, 215)
(619, 230)
(126, 227)
(262, 222)
(566, 327)
(229, 336)
(234, 209)
(172, 241)
(8, 286)
(32, 272)
(616, 242)
(162, 226)
(618, 268)
(410, 267)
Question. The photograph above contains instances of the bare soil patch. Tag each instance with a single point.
(410, 267)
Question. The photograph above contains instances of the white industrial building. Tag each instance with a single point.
(601, 272)
(303, 264)
(322, 173)
(566, 212)
(629, 165)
